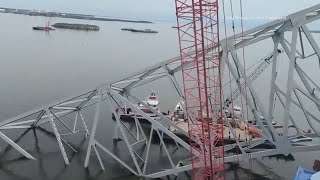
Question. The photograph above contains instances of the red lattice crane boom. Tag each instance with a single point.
(198, 29)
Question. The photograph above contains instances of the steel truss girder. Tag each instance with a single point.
(155, 126)
(274, 29)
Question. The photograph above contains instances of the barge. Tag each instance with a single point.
(86, 27)
(240, 130)
(138, 30)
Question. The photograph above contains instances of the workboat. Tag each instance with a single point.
(129, 114)
(43, 28)
(153, 100)
(39, 28)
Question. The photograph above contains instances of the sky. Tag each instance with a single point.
(162, 10)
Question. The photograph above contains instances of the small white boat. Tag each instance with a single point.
(153, 100)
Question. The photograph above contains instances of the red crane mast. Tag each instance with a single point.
(198, 29)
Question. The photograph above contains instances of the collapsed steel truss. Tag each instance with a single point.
(117, 92)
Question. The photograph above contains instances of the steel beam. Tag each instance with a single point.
(92, 141)
(177, 88)
(166, 120)
(274, 135)
(305, 114)
(273, 77)
(123, 133)
(140, 78)
(312, 41)
(290, 80)
(298, 105)
(291, 118)
(148, 80)
(56, 133)
(251, 106)
(156, 124)
(306, 84)
(16, 146)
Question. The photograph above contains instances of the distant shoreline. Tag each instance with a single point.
(66, 15)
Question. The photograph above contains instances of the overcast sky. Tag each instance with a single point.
(157, 9)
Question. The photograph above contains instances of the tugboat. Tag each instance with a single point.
(39, 28)
(43, 28)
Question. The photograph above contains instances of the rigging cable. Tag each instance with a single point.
(236, 61)
(245, 79)
(235, 155)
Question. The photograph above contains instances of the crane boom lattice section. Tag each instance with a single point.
(198, 32)
(253, 76)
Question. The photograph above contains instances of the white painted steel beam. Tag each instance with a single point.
(273, 77)
(290, 80)
(92, 141)
(271, 137)
(312, 41)
(298, 105)
(55, 130)
(16, 146)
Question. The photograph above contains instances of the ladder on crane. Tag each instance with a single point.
(198, 31)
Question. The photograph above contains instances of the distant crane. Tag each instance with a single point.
(253, 76)
(46, 28)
